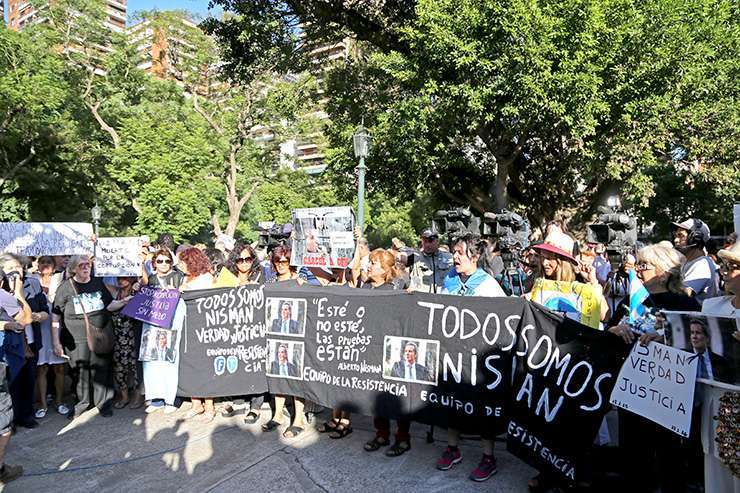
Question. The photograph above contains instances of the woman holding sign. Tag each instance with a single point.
(83, 300)
(199, 275)
(164, 275)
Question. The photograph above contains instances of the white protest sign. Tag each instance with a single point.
(36, 239)
(736, 216)
(118, 257)
(657, 382)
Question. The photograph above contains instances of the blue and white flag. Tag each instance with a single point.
(638, 295)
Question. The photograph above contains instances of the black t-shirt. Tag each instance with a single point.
(662, 301)
(384, 287)
(93, 295)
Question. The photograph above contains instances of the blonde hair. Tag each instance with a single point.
(564, 272)
(666, 260)
(387, 261)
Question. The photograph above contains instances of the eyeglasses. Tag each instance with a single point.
(163, 261)
(283, 261)
(244, 259)
(643, 266)
(83, 266)
(729, 267)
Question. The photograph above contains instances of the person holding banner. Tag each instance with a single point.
(381, 275)
(284, 272)
(164, 275)
(84, 297)
(244, 264)
(199, 275)
(468, 279)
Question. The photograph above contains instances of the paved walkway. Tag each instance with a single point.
(136, 452)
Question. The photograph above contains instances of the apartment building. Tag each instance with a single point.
(22, 14)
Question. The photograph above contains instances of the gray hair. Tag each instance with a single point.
(8, 257)
(74, 261)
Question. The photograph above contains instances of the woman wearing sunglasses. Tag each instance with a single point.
(244, 264)
(164, 275)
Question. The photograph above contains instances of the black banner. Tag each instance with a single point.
(438, 359)
(222, 348)
(565, 375)
(444, 360)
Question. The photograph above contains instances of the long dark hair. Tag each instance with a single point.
(240, 246)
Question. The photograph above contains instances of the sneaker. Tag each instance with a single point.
(485, 469)
(62, 409)
(449, 458)
(8, 473)
(41, 413)
(168, 409)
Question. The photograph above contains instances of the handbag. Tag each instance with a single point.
(99, 340)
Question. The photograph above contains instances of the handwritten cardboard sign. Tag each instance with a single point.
(118, 257)
(36, 239)
(657, 382)
(153, 306)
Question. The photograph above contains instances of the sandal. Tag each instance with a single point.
(398, 448)
(120, 404)
(340, 431)
(376, 443)
(251, 418)
(194, 412)
(270, 425)
(328, 426)
(227, 411)
(292, 431)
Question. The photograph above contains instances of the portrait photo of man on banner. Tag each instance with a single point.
(285, 359)
(410, 360)
(285, 316)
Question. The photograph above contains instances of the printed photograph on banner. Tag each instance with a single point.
(158, 344)
(285, 359)
(285, 316)
(712, 338)
(410, 359)
(323, 237)
(88, 303)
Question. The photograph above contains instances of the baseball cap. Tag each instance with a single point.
(691, 223)
(428, 233)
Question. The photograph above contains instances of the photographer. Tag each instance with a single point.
(431, 265)
(23, 385)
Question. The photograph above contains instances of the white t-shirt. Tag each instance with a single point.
(701, 276)
(720, 306)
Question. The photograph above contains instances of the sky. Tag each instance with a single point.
(197, 7)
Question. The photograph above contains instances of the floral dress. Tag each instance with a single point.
(125, 350)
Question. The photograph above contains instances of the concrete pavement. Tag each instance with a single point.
(132, 451)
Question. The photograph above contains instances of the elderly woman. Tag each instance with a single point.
(199, 275)
(659, 268)
(82, 295)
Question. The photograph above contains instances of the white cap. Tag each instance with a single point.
(690, 224)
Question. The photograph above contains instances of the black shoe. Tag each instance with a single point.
(31, 424)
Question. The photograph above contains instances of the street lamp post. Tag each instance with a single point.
(361, 143)
(95, 212)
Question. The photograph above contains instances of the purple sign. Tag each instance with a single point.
(153, 306)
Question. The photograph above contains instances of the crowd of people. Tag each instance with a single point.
(47, 304)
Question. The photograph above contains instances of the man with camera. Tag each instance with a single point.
(431, 265)
(700, 273)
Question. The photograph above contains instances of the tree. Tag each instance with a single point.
(495, 103)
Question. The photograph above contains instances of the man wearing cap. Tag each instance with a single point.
(699, 273)
(431, 265)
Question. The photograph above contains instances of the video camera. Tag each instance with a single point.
(272, 235)
(455, 222)
(616, 230)
(510, 231)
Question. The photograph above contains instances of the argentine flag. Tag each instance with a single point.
(638, 294)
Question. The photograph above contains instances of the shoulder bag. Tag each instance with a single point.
(99, 340)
